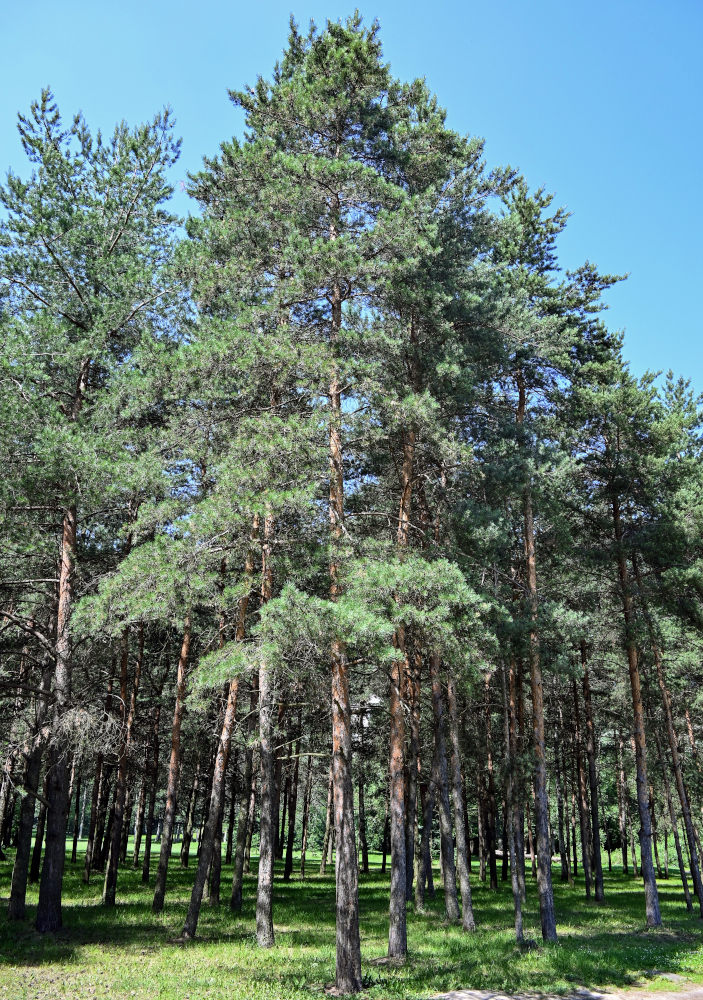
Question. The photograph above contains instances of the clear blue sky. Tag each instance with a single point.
(598, 101)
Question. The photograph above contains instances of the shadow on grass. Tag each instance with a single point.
(600, 945)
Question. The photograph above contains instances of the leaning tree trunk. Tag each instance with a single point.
(467, 914)
(653, 914)
(214, 815)
(173, 771)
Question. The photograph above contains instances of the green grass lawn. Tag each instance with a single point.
(130, 953)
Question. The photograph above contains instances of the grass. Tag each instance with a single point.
(129, 953)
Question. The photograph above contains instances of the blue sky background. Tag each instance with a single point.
(598, 101)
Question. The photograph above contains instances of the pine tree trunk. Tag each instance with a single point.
(18, 890)
(584, 822)
(592, 779)
(50, 889)
(653, 914)
(674, 750)
(190, 816)
(210, 842)
(110, 887)
(563, 853)
(544, 849)
(139, 822)
(362, 815)
(490, 791)
(509, 728)
(76, 816)
(35, 867)
(439, 776)
(264, 893)
(232, 815)
(397, 931)
(35, 752)
(348, 958)
(173, 772)
(622, 800)
(153, 782)
(413, 765)
(245, 820)
(329, 822)
(425, 884)
(293, 804)
(306, 817)
(467, 914)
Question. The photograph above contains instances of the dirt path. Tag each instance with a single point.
(684, 991)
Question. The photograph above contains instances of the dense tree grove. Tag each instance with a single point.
(334, 520)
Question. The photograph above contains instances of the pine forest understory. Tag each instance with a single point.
(350, 584)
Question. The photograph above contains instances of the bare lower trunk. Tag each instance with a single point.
(244, 821)
(509, 730)
(139, 823)
(425, 882)
(329, 822)
(49, 906)
(173, 772)
(622, 802)
(264, 892)
(20, 869)
(653, 914)
(153, 781)
(397, 932)
(592, 779)
(544, 851)
(582, 796)
(439, 776)
(292, 805)
(110, 887)
(306, 817)
(190, 816)
(674, 752)
(467, 914)
(209, 841)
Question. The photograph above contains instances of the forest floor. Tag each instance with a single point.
(129, 953)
